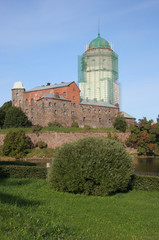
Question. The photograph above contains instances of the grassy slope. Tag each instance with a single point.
(30, 210)
(62, 129)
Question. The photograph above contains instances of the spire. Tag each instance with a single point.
(98, 27)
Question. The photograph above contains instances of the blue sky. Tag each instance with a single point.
(40, 41)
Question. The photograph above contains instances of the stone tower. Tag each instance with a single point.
(18, 94)
(98, 72)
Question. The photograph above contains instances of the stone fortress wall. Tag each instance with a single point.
(62, 104)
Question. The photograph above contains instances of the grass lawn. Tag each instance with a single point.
(29, 209)
(60, 129)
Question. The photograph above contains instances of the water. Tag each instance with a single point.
(147, 166)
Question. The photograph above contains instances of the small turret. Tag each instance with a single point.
(18, 94)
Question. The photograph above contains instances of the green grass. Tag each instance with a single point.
(62, 129)
(41, 153)
(29, 209)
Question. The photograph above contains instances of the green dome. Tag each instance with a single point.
(99, 43)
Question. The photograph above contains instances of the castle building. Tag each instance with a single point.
(98, 72)
(95, 102)
(61, 103)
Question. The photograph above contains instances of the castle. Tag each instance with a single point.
(95, 102)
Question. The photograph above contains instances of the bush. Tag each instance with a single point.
(41, 144)
(23, 172)
(87, 127)
(36, 129)
(74, 124)
(54, 124)
(145, 183)
(16, 144)
(120, 123)
(15, 117)
(94, 166)
(19, 163)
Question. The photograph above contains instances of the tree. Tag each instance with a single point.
(6, 106)
(2, 117)
(15, 117)
(120, 123)
(144, 137)
(16, 144)
(3, 110)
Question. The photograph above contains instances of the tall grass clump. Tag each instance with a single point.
(93, 166)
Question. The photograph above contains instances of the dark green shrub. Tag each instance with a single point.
(2, 117)
(17, 163)
(41, 144)
(95, 166)
(87, 127)
(145, 183)
(36, 129)
(16, 144)
(120, 123)
(74, 124)
(23, 172)
(54, 124)
(15, 117)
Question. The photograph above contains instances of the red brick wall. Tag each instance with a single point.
(70, 92)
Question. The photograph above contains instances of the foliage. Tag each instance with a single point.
(54, 124)
(29, 210)
(41, 144)
(113, 137)
(2, 117)
(15, 117)
(19, 163)
(74, 125)
(36, 129)
(16, 144)
(87, 127)
(94, 166)
(120, 123)
(5, 107)
(41, 153)
(144, 137)
(145, 183)
(13, 171)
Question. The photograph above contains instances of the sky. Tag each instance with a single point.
(40, 41)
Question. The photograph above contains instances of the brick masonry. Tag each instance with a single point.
(42, 110)
(54, 139)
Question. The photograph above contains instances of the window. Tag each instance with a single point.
(20, 101)
(26, 110)
(73, 89)
(100, 120)
(32, 110)
(55, 104)
(72, 113)
(73, 97)
(26, 101)
(84, 119)
(32, 101)
(16, 94)
(64, 93)
(50, 104)
(55, 112)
